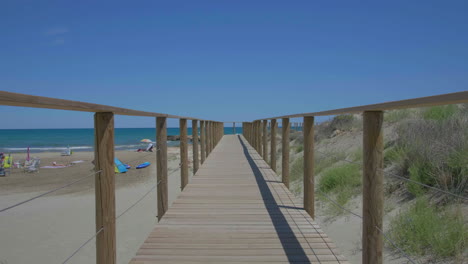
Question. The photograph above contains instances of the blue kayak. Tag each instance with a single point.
(127, 166)
(143, 165)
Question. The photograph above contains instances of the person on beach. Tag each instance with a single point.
(148, 149)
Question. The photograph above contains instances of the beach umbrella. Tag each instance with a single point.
(146, 140)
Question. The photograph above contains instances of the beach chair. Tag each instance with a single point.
(67, 152)
(33, 166)
(150, 147)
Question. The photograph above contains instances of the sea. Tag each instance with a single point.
(80, 139)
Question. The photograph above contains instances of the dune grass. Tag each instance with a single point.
(424, 230)
(342, 182)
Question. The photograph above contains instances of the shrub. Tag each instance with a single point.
(423, 230)
(299, 148)
(342, 181)
(433, 152)
(396, 115)
(325, 161)
(297, 169)
(440, 113)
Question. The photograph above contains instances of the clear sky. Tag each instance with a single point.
(227, 60)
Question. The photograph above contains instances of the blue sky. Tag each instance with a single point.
(227, 60)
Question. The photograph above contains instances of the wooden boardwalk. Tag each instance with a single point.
(235, 210)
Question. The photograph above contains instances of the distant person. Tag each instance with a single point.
(148, 149)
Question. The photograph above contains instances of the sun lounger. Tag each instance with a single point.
(33, 166)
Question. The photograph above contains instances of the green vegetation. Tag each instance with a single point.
(297, 169)
(326, 160)
(342, 181)
(440, 113)
(299, 148)
(423, 230)
(396, 115)
(433, 151)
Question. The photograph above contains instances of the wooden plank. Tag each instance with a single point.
(285, 152)
(183, 154)
(237, 211)
(443, 99)
(105, 188)
(202, 141)
(25, 100)
(373, 192)
(161, 166)
(309, 189)
(273, 145)
(195, 143)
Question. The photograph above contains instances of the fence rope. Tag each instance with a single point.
(139, 200)
(48, 192)
(380, 230)
(399, 177)
(82, 245)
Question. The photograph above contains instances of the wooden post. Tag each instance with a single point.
(373, 192)
(259, 138)
(208, 137)
(202, 141)
(161, 165)
(212, 133)
(254, 135)
(105, 188)
(183, 154)
(309, 191)
(265, 140)
(273, 145)
(285, 152)
(213, 136)
(195, 145)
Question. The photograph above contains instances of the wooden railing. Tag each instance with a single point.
(211, 133)
(373, 194)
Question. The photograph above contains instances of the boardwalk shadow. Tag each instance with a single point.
(292, 247)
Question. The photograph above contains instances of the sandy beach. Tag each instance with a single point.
(50, 228)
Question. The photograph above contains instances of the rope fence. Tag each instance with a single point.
(48, 192)
(82, 245)
(398, 176)
(388, 239)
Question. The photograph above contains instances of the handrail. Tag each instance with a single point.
(442, 99)
(25, 100)
(211, 133)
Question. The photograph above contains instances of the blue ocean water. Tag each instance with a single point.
(40, 140)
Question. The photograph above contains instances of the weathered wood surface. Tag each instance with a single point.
(372, 186)
(309, 188)
(442, 99)
(236, 210)
(161, 165)
(105, 188)
(183, 153)
(196, 161)
(26, 100)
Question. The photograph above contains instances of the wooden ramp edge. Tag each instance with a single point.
(235, 210)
